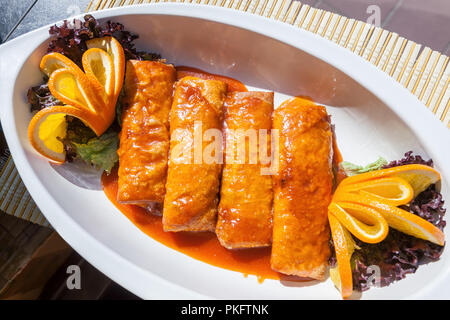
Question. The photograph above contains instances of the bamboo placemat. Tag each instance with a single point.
(424, 72)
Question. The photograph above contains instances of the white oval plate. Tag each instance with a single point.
(374, 116)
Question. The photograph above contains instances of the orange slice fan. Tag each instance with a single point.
(366, 205)
(90, 96)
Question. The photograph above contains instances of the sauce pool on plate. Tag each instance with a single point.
(202, 246)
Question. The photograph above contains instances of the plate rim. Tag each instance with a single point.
(350, 64)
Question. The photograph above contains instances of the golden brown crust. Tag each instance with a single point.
(302, 190)
(192, 188)
(245, 209)
(144, 139)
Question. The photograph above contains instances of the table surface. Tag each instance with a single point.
(425, 22)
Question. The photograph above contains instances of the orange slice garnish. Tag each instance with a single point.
(73, 88)
(99, 68)
(344, 247)
(366, 205)
(397, 218)
(48, 126)
(391, 190)
(90, 96)
(54, 61)
(365, 223)
(115, 51)
(417, 175)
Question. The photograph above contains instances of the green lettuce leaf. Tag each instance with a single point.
(82, 143)
(100, 152)
(351, 169)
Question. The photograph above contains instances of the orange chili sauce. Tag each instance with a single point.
(337, 156)
(203, 246)
(337, 159)
(233, 84)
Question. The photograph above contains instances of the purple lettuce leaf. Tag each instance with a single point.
(409, 158)
(70, 39)
(39, 97)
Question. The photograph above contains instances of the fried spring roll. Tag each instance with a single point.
(144, 139)
(193, 179)
(245, 209)
(302, 189)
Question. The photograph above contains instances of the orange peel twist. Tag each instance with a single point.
(366, 205)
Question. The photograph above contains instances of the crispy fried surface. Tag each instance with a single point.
(302, 190)
(193, 183)
(144, 139)
(245, 209)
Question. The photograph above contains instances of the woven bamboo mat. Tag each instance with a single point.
(424, 72)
